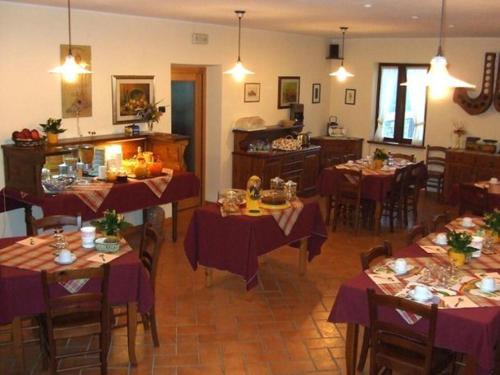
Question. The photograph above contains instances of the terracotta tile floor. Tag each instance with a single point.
(278, 328)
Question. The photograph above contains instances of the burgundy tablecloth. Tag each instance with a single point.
(374, 187)
(234, 243)
(454, 198)
(130, 196)
(21, 290)
(473, 331)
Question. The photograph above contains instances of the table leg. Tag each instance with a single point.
(351, 348)
(174, 221)
(328, 200)
(208, 277)
(28, 214)
(132, 331)
(17, 336)
(378, 216)
(303, 256)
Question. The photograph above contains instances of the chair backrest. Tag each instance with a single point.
(404, 156)
(387, 337)
(149, 252)
(384, 250)
(435, 157)
(473, 199)
(417, 232)
(56, 221)
(155, 216)
(349, 185)
(397, 187)
(440, 220)
(87, 302)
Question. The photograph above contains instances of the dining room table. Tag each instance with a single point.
(468, 318)
(23, 258)
(234, 242)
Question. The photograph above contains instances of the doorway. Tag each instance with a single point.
(188, 118)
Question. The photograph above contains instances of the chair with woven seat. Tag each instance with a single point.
(439, 221)
(348, 197)
(81, 314)
(53, 222)
(417, 232)
(473, 199)
(435, 160)
(395, 347)
(377, 252)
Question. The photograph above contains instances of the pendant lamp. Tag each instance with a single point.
(438, 79)
(341, 73)
(239, 71)
(70, 69)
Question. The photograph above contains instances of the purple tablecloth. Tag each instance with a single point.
(474, 331)
(373, 187)
(21, 290)
(235, 242)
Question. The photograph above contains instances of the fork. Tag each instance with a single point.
(460, 299)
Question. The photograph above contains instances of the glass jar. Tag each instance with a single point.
(141, 169)
(290, 188)
(277, 183)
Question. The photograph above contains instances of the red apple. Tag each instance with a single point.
(26, 133)
(35, 135)
(15, 135)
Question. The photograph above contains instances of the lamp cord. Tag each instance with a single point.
(240, 16)
(343, 43)
(441, 28)
(69, 26)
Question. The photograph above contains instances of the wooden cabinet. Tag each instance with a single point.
(335, 147)
(301, 166)
(469, 166)
(23, 165)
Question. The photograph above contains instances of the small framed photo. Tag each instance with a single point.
(288, 91)
(316, 93)
(350, 96)
(130, 93)
(252, 93)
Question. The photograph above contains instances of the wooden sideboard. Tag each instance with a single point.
(468, 166)
(334, 147)
(301, 166)
(23, 165)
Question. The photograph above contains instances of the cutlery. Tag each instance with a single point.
(103, 258)
(460, 299)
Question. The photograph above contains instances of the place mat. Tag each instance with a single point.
(456, 225)
(92, 194)
(159, 184)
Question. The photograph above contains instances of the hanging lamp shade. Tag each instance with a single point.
(70, 70)
(238, 71)
(341, 73)
(438, 79)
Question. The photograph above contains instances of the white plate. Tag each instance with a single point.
(478, 284)
(73, 258)
(243, 202)
(409, 267)
(439, 243)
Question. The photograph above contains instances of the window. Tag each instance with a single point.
(401, 110)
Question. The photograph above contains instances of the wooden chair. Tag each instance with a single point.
(56, 221)
(404, 157)
(415, 181)
(393, 204)
(367, 258)
(417, 232)
(155, 217)
(473, 199)
(348, 197)
(396, 347)
(439, 221)
(76, 315)
(435, 160)
(347, 157)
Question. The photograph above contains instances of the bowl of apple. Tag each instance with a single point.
(27, 138)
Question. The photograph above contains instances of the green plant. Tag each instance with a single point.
(460, 241)
(492, 221)
(53, 126)
(111, 223)
(149, 113)
(380, 154)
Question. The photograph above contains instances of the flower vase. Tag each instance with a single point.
(52, 138)
(457, 258)
(378, 164)
(458, 141)
(150, 127)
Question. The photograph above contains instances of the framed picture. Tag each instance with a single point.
(316, 93)
(129, 94)
(288, 91)
(252, 93)
(76, 97)
(350, 96)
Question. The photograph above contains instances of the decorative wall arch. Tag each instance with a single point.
(496, 99)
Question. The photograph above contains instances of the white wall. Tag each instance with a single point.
(465, 58)
(29, 46)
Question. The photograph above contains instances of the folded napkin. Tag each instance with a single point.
(159, 184)
(92, 194)
(382, 278)
(33, 241)
(433, 249)
(104, 257)
(457, 302)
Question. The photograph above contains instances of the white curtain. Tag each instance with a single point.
(387, 100)
(415, 96)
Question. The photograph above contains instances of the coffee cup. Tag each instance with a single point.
(421, 293)
(441, 239)
(488, 284)
(350, 162)
(88, 237)
(400, 266)
(65, 256)
(493, 180)
(467, 222)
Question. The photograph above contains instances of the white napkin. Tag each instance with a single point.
(433, 249)
(457, 302)
(103, 257)
(383, 278)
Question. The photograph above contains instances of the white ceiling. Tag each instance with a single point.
(365, 18)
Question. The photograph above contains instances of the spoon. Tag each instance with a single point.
(460, 299)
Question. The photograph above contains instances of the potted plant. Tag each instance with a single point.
(460, 248)
(379, 156)
(492, 223)
(150, 114)
(52, 128)
(111, 225)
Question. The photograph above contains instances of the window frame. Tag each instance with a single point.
(400, 102)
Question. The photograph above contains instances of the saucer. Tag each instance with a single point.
(478, 284)
(435, 242)
(73, 258)
(411, 294)
(409, 267)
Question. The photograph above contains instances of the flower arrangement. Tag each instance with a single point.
(459, 131)
(111, 223)
(380, 154)
(492, 221)
(53, 126)
(150, 114)
(460, 242)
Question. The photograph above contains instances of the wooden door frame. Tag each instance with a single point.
(176, 73)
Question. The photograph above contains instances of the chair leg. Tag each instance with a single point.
(328, 209)
(145, 321)
(103, 355)
(154, 330)
(364, 349)
(17, 335)
(336, 214)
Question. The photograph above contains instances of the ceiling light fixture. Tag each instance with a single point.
(239, 71)
(70, 69)
(367, 5)
(438, 78)
(341, 73)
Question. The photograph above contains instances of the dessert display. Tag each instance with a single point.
(273, 197)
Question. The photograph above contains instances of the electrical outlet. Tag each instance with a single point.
(199, 38)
